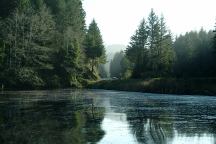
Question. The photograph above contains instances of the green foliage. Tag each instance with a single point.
(27, 36)
(27, 78)
(2, 54)
(45, 43)
(120, 66)
(194, 54)
(102, 71)
(23, 4)
(44, 39)
(69, 55)
(7, 7)
(214, 40)
(195, 86)
(166, 54)
(69, 63)
(126, 70)
(150, 49)
(94, 43)
(137, 51)
(22, 78)
(115, 65)
(154, 54)
(94, 48)
(53, 81)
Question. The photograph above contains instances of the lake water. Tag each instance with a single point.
(105, 117)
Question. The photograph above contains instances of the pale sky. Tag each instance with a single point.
(118, 19)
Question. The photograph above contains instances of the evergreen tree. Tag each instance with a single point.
(153, 40)
(39, 47)
(69, 54)
(194, 54)
(214, 47)
(27, 37)
(46, 43)
(165, 50)
(126, 68)
(7, 7)
(102, 71)
(115, 65)
(42, 30)
(94, 48)
(24, 4)
(2, 52)
(137, 51)
(120, 66)
(151, 48)
(214, 40)
(58, 6)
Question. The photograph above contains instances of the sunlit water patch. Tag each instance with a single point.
(195, 139)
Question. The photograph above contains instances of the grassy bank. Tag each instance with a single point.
(190, 86)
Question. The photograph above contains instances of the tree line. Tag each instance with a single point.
(152, 52)
(45, 43)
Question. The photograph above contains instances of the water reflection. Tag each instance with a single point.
(116, 126)
(105, 117)
(196, 139)
(49, 118)
(170, 119)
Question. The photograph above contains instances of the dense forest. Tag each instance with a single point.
(46, 44)
(153, 52)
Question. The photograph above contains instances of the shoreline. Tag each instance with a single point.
(190, 86)
(187, 86)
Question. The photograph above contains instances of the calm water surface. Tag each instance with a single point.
(105, 117)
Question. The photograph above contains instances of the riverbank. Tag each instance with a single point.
(190, 86)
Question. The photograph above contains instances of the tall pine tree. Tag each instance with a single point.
(154, 39)
(214, 39)
(166, 54)
(151, 48)
(137, 51)
(94, 48)
(69, 55)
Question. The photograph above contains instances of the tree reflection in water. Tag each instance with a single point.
(164, 119)
(92, 116)
(49, 118)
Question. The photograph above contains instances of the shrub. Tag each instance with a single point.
(27, 78)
